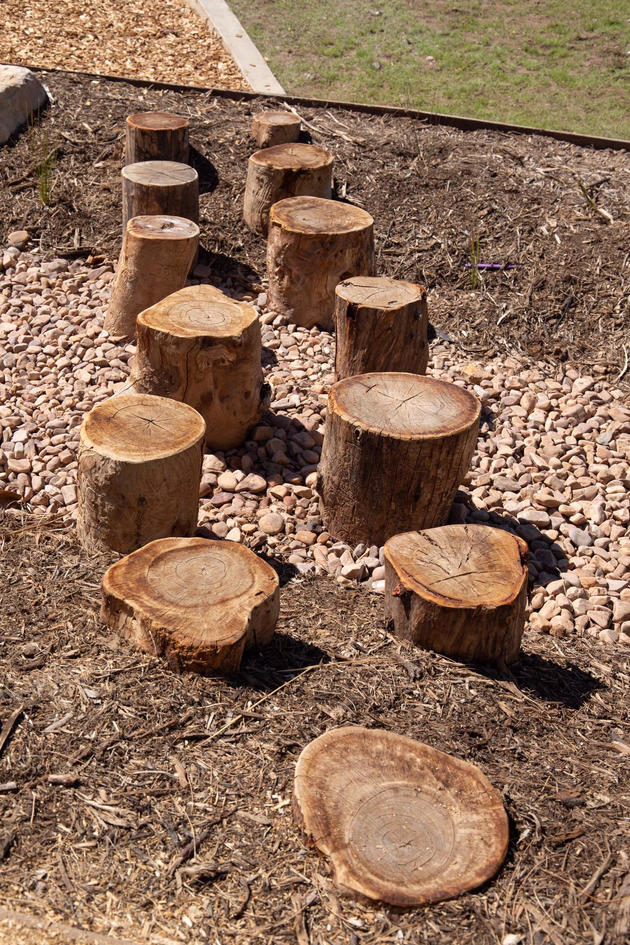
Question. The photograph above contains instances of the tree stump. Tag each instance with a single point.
(396, 448)
(286, 170)
(198, 603)
(460, 590)
(160, 187)
(401, 822)
(156, 257)
(139, 472)
(271, 128)
(380, 325)
(203, 348)
(314, 244)
(156, 136)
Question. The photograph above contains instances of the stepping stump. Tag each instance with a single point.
(198, 603)
(203, 348)
(271, 128)
(156, 136)
(156, 257)
(380, 325)
(160, 187)
(460, 590)
(314, 245)
(139, 472)
(286, 170)
(396, 448)
(401, 822)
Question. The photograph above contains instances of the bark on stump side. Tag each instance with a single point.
(286, 170)
(156, 136)
(396, 448)
(160, 187)
(156, 257)
(199, 604)
(139, 472)
(313, 245)
(272, 128)
(401, 821)
(460, 590)
(380, 325)
(203, 348)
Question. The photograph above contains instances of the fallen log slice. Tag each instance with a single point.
(286, 170)
(153, 187)
(198, 603)
(401, 822)
(460, 590)
(270, 128)
(139, 472)
(314, 244)
(380, 325)
(396, 448)
(156, 136)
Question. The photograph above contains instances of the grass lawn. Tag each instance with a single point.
(550, 63)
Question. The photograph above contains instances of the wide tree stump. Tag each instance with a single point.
(380, 325)
(270, 128)
(460, 590)
(198, 603)
(203, 348)
(396, 448)
(313, 245)
(401, 822)
(286, 170)
(156, 136)
(156, 257)
(160, 187)
(139, 472)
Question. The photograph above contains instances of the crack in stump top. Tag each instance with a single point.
(380, 292)
(199, 310)
(160, 173)
(318, 216)
(293, 156)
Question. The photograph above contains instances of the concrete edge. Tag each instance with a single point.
(239, 45)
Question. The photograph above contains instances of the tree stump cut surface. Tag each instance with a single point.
(160, 187)
(396, 448)
(156, 136)
(380, 325)
(402, 822)
(199, 604)
(271, 128)
(460, 590)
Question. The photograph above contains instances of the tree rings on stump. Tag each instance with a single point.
(401, 822)
(198, 603)
(156, 136)
(154, 187)
(460, 590)
(270, 128)
(380, 325)
(313, 245)
(396, 448)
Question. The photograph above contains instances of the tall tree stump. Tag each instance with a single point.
(460, 590)
(286, 170)
(313, 245)
(380, 325)
(156, 257)
(203, 348)
(198, 603)
(270, 128)
(160, 187)
(396, 448)
(401, 822)
(156, 136)
(139, 472)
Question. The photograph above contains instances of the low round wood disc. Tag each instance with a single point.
(277, 118)
(199, 310)
(157, 121)
(294, 156)
(162, 226)
(160, 173)
(379, 292)
(401, 822)
(318, 215)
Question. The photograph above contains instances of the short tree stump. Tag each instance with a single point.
(156, 136)
(270, 128)
(167, 187)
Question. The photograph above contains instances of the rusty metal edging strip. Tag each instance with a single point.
(432, 118)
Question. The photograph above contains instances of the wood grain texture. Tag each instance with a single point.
(156, 136)
(275, 127)
(160, 187)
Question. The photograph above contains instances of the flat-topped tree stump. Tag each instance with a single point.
(380, 325)
(396, 448)
(203, 348)
(286, 170)
(401, 822)
(156, 136)
(156, 257)
(139, 472)
(160, 187)
(460, 590)
(270, 128)
(198, 603)
(313, 245)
